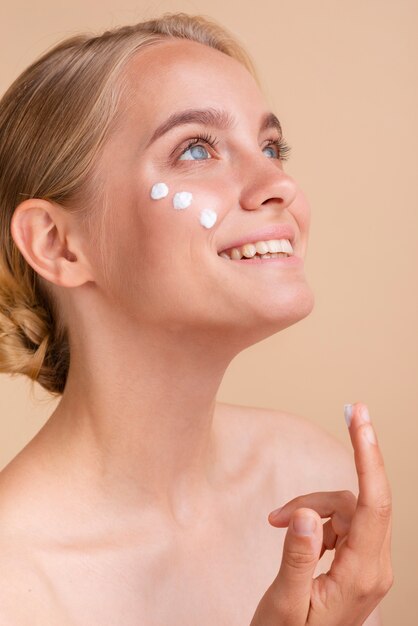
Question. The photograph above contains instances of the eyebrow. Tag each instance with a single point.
(218, 118)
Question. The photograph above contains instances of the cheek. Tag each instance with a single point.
(301, 212)
(202, 206)
(166, 236)
(159, 232)
(303, 209)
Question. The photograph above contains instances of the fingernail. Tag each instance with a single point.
(304, 525)
(365, 414)
(348, 412)
(369, 434)
(275, 513)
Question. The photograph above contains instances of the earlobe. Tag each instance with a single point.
(39, 230)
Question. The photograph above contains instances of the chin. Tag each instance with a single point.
(302, 308)
(284, 310)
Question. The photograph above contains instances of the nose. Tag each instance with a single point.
(267, 185)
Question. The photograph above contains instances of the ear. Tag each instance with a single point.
(42, 232)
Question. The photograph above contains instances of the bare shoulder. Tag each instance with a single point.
(306, 455)
(23, 589)
(25, 592)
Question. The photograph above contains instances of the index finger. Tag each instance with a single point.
(371, 520)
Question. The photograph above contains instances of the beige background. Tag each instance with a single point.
(342, 77)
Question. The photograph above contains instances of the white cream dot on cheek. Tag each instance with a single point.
(159, 190)
(182, 199)
(207, 218)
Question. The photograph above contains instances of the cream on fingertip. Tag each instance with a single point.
(348, 413)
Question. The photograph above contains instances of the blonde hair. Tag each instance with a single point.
(54, 121)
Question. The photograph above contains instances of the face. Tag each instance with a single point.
(174, 207)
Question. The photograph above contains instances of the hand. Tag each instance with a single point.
(360, 532)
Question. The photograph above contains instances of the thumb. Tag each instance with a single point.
(301, 551)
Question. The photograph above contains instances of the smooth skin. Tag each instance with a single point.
(143, 499)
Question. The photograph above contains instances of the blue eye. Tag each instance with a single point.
(269, 148)
(195, 145)
(281, 147)
(198, 153)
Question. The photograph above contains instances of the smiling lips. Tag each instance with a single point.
(276, 240)
(272, 248)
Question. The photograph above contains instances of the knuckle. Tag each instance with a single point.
(383, 510)
(296, 559)
(366, 588)
(374, 586)
(386, 583)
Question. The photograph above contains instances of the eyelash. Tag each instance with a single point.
(283, 148)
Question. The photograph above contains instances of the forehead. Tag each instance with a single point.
(177, 74)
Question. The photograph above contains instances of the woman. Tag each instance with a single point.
(140, 173)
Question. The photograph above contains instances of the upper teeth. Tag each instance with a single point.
(249, 250)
